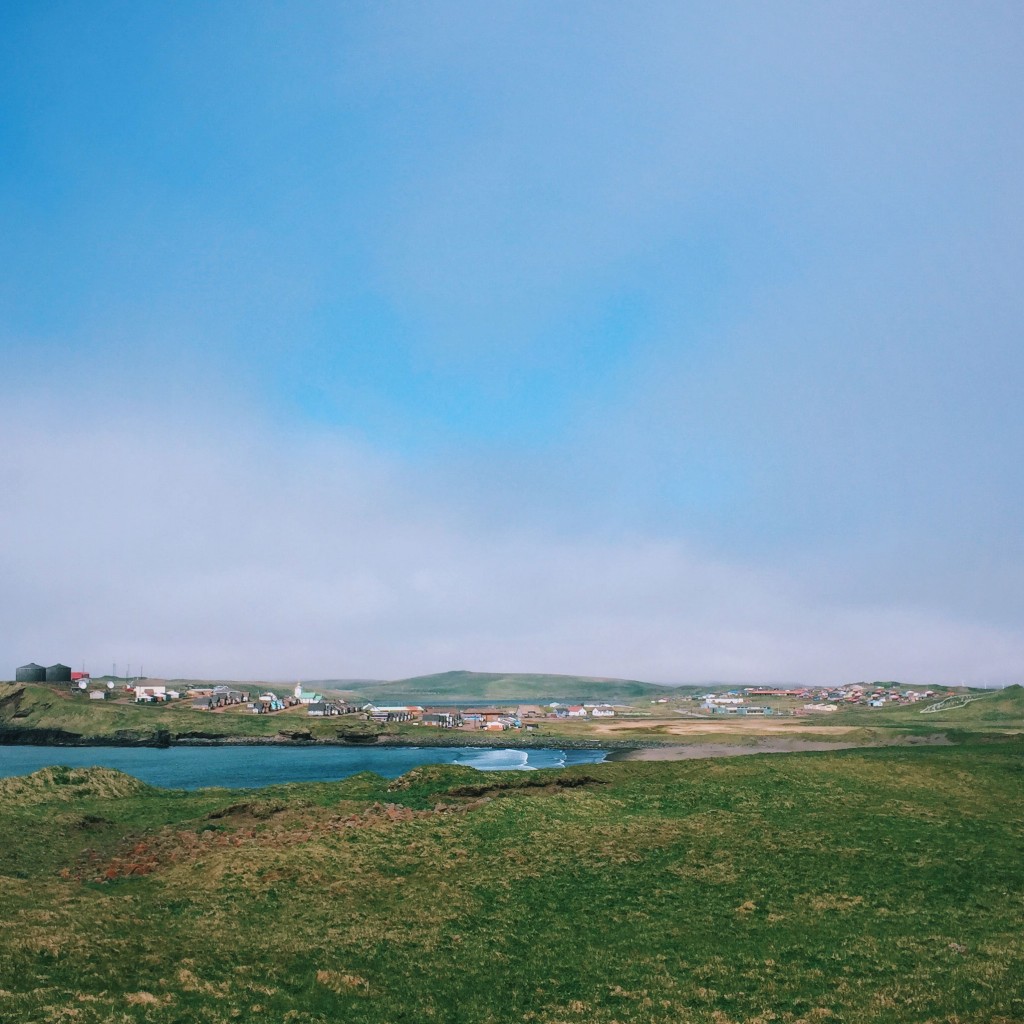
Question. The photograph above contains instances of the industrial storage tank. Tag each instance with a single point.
(58, 674)
(30, 673)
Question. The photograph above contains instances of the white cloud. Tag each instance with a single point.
(228, 550)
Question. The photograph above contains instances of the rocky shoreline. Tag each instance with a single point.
(617, 749)
(31, 736)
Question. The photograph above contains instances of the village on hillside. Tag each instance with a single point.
(745, 701)
(818, 699)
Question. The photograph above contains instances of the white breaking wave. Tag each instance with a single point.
(498, 761)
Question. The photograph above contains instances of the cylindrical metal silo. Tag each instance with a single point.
(58, 674)
(30, 673)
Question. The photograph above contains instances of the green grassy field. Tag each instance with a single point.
(996, 710)
(883, 886)
(57, 716)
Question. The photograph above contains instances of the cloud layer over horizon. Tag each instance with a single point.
(371, 342)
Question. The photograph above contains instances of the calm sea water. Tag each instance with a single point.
(193, 767)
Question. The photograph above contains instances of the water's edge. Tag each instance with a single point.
(256, 766)
(161, 739)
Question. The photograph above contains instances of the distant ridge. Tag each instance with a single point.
(462, 685)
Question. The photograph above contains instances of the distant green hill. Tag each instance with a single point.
(498, 686)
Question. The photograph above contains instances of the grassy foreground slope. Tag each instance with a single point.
(881, 886)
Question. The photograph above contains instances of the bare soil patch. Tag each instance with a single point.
(705, 750)
(744, 726)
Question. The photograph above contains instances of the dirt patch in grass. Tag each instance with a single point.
(528, 784)
(258, 810)
(707, 750)
(742, 726)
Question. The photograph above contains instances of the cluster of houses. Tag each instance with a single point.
(742, 701)
(154, 694)
(875, 695)
(141, 694)
(317, 706)
(330, 708)
(493, 719)
(818, 698)
(211, 698)
(208, 698)
(732, 704)
(266, 703)
(269, 702)
(203, 698)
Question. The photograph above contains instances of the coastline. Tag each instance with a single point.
(59, 738)
(616, 749)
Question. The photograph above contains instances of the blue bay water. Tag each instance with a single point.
(254, 766)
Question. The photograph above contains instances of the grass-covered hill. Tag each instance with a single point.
(49, 715)
(864, 886)
(996, 707)
(462, 686)
(987, 710)
(59, 783)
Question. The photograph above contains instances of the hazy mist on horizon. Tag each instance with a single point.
(377, 340)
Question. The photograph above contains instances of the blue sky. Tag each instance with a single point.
(367, 340)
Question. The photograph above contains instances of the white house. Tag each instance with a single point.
(150, 694)
(307, 698)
